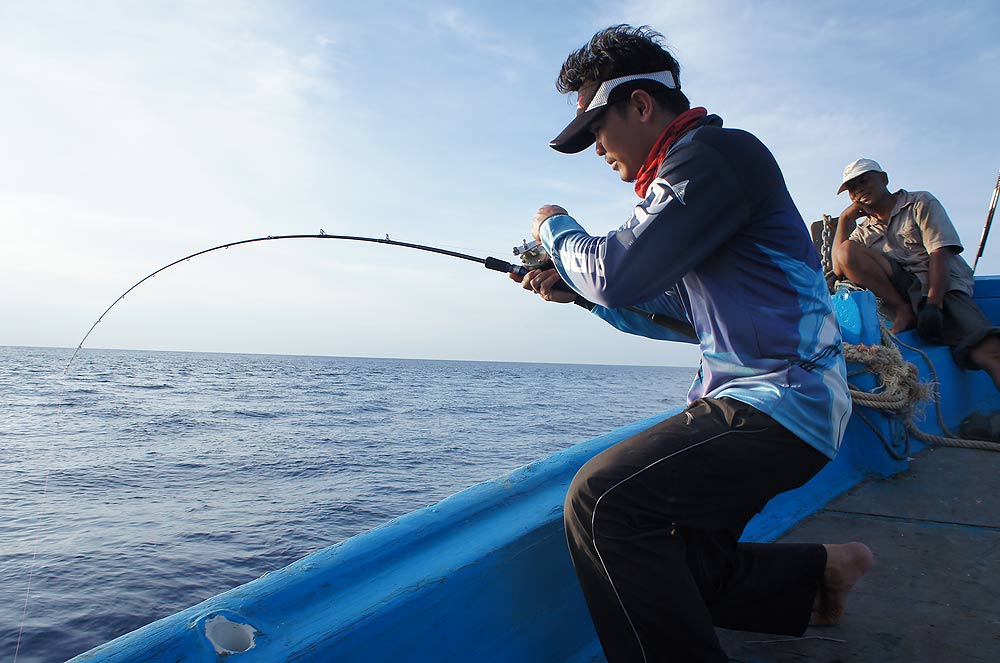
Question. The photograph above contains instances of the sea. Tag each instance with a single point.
(140, 483)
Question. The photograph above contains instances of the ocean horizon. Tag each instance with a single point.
(70, 350)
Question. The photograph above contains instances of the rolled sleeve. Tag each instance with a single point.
(935, 226)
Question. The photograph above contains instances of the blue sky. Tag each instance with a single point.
(136, 133)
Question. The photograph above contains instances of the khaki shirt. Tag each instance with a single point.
(918, 226)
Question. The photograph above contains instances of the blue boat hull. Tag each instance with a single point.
(485, 574)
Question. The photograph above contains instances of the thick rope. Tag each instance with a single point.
(899, 391)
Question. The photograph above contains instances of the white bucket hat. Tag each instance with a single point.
(859, 167)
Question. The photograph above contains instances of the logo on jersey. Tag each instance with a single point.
(661, 192)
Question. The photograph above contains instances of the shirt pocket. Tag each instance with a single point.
(911, 239)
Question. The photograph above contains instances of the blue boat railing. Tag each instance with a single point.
(485, 575)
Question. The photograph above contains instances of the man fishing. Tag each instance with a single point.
(653, 523)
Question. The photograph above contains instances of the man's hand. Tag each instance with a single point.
(854, 212)
(846, 223)
(543, 282)
(930, 322)
(541, 215)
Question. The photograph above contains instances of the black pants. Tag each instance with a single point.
(965, 324)
(653, 525)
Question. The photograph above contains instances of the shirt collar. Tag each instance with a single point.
(903, 199)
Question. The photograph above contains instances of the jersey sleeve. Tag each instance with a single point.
(694, 206)
(635, 322)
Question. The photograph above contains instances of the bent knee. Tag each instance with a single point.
(592, 485)
(581, 493)
(987, 353)
(847, 255)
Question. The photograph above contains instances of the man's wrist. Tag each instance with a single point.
(554, 227)
(846, 223)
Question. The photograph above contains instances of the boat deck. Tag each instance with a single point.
(933, 594)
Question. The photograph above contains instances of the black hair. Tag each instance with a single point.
(622, 50)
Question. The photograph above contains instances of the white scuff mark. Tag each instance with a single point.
(229, 637)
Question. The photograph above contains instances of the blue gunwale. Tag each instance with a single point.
(485, 575)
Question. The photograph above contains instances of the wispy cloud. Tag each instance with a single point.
(132, 136)
(505, 44)
(825, 82)
(157, 115)
(135, 133)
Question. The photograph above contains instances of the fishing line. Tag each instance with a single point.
(682, 327)
(31, 573)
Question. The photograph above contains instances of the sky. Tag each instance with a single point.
(135, 133)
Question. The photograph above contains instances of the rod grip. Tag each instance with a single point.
(498, 265)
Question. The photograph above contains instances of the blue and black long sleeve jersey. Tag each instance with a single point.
(718, 242)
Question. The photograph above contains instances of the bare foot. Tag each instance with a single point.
(904, 320)
(845, 564)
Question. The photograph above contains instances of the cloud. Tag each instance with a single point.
(137, 133)
(187, 112)
(825, 82)
(472, 31)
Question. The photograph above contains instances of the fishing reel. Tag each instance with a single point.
(533, 255)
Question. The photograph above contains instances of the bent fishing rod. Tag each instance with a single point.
(532, 257)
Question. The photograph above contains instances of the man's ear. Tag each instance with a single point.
(643, 103)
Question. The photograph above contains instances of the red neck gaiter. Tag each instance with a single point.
(679, 126)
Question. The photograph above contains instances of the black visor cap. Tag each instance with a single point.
(577, 136)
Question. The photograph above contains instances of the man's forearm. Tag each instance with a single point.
(846, 224)
(938, 276)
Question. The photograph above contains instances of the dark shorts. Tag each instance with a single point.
(653, 526)
(965, 326)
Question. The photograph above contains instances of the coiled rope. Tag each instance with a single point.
(899, 389)
(898, 392)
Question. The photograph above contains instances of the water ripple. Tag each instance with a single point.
(144, 482)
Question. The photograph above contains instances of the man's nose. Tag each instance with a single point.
(600, 148)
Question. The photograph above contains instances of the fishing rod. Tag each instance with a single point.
(989, 222)
(532, 257)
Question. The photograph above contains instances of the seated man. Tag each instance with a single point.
(905, 251)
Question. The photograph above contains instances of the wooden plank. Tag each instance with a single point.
(931, 595)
